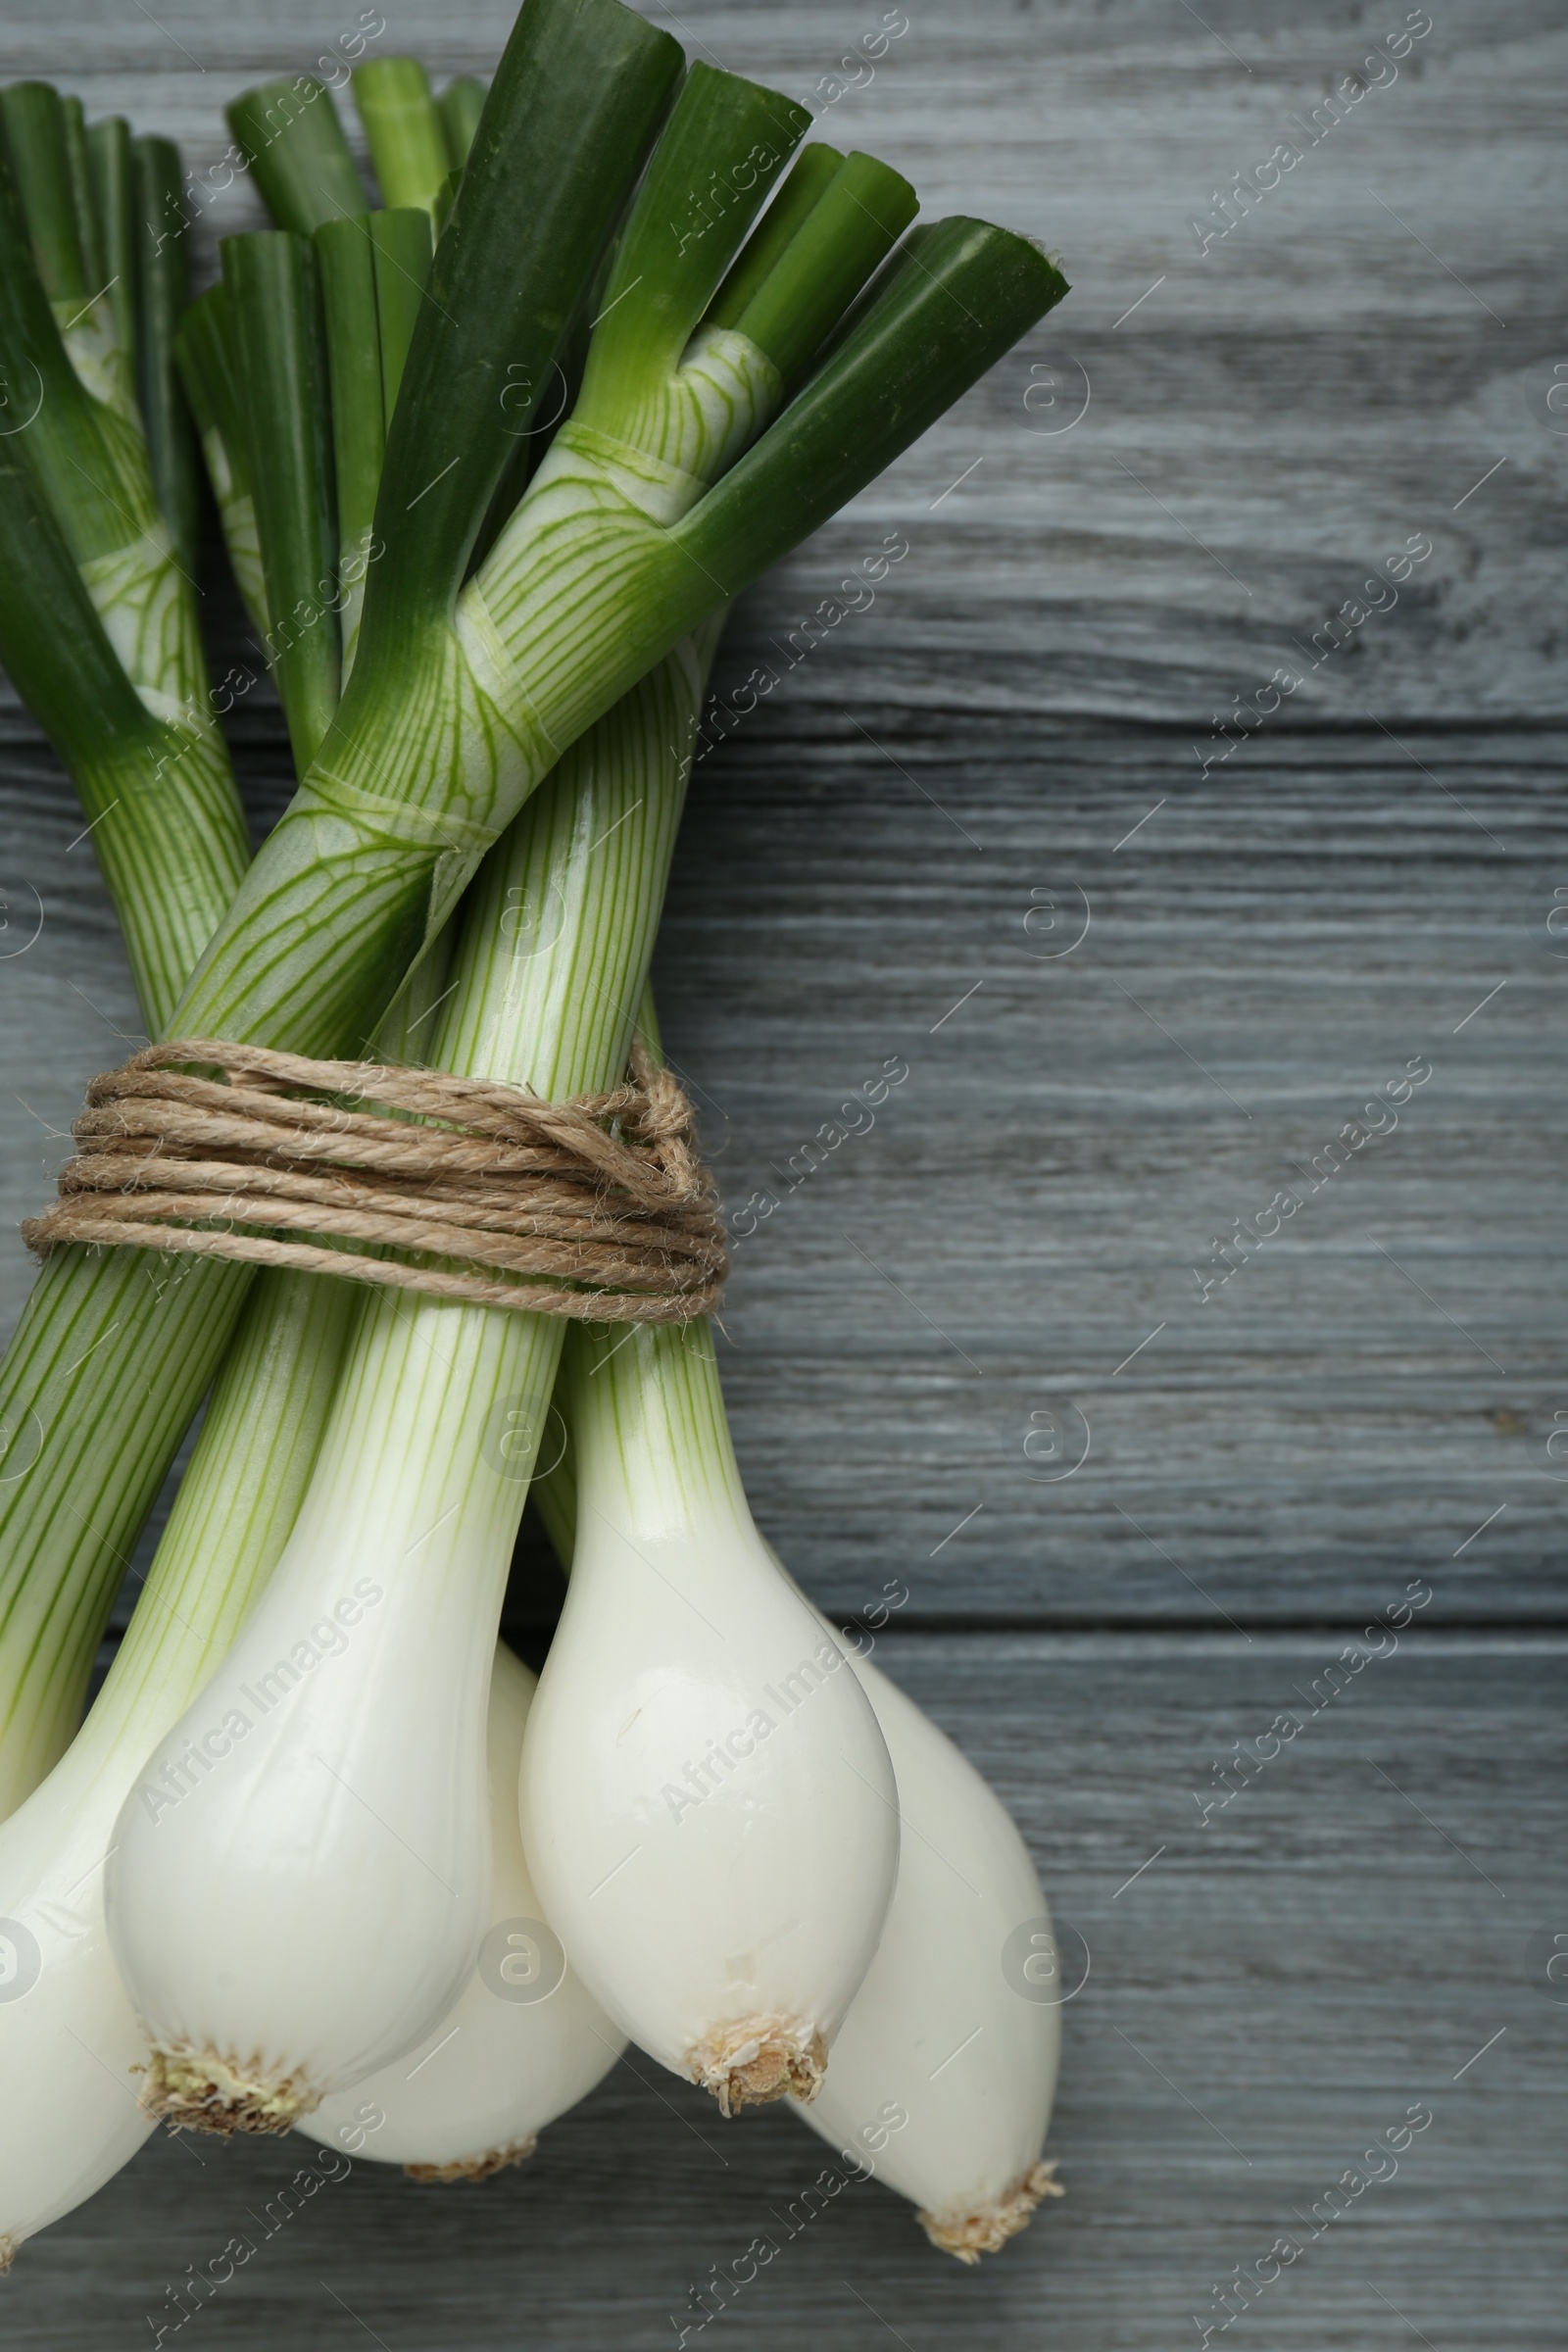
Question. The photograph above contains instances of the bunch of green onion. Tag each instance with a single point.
(491, 461)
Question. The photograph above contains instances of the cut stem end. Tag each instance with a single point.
(476, 2168)
(196, 2090)
(972, 2231)
(758, 2059)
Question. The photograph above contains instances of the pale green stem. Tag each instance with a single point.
(232, 1516)
(425, 1463)
(240, 1495)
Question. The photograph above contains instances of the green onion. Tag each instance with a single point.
(735, 1952)
(647, 1448)
(460, 699)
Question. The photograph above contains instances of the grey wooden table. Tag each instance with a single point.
(1143, 973)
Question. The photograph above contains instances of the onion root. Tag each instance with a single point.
(197, 2090)
(476, 2168)
(758, 2059)
(971, 2231)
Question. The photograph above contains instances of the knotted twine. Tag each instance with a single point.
(598, 1208)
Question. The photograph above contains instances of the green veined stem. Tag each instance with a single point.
(76, 487)
(231, 1517)
(676, 1365)
(242, 1494)
(171, 845)
(435, 1416)
(587, 587)
(437, 1412)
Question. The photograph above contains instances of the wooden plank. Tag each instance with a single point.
(1271, 1991)
(1028, 1210)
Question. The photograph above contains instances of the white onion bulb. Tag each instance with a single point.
(708, 1806)
(302, 1875)
(522, 2042)
(944, 2070)
(70, 2045)
(71, 2053)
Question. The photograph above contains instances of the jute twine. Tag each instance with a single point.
(598, 1208)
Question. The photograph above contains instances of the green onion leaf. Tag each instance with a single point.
(402, 246)
(847, 234)
(406, 132)
(34, 123)
(206, 371)
(292, 137)
(115, 203)
(88, 236)
(163, 289)
(270, 283)
(815, 169)
(461, 103)
(726, 143)
(953, 300)
(572, 113)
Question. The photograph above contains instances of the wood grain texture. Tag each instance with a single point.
(1328, 378)
(886, 860)
(1274, 1990)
